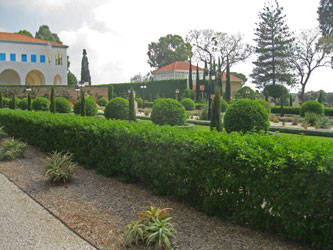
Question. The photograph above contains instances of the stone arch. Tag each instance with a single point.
(35, 77)
(57, 80)
(10, 76)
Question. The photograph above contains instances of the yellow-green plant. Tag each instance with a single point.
(59, 167)
(12, 149)
(153, 227)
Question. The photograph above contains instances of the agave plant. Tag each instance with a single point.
(135, 232)
(59, 167)
(12, 149)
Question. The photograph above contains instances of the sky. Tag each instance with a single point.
(116, 33)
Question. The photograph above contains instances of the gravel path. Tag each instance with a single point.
(24, 224)
(98, 208)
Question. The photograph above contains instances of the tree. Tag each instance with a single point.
(228, 85)
(52, 106)
(85, 74)
(325, 12)
(320, 98)
(190, 81)
(240, 76)
(71, 79)
(309, 54)
(131, 116)
(273, 49)
(25, 32)
(83, 103)
(29, 101)
(276, 91)
(45, 34)
(215, 122)
(204, 80)
(167, 50)
(197, 85)
(1, 100)
(14, 101)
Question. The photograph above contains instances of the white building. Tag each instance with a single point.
(30, 61)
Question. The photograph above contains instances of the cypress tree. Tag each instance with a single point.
(29, 101)
(197, 86)
(190, 80)
(219, 76)
(83, 103)
(273, 49)
(109, 93)
(1, 100)
(204, 79)
(132, 116)
(52, 106)
(215, 122)
(14, 101)
(320, 97)
(228, 85)
(291, 100)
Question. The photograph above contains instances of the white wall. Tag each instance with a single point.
(49, 70)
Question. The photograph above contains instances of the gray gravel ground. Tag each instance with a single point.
(24, 224)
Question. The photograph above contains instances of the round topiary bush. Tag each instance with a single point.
(188, 104)
(311, 107)
(17, 100)
(246, 115)
(117, 108)
(91, 107)
(23, 104)
(168, 111)
(102, 101)
(265, 105)
(224, 105)
(41, 103)
(139, 101)
(62, 105)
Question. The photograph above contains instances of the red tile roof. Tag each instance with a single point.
(13, 37)
(232, 78)
(177, 66)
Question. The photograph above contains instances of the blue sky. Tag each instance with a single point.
(116, 33)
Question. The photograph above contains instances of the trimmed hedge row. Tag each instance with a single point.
(313, 132)
(294, 110)
(270, 183)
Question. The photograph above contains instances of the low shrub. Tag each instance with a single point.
(63, 105)
(41, 104)
(328, 111)
(17, 103)
(23, 104)
(311, 119)
(102, 101)
(12, 149)
(3, 134)
(312, 107)
(91, 107)
(199, 105)
(168, 111)
(246, 115)
(59, 167)
(204, 113)
(117, 108)
(147, 112)
(294, 121)
(139, 101)
(6, 102)
(292, 110)
(270, 183)
(188, 104)
(148, 104)
(324, 122)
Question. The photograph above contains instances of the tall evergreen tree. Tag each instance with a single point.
(215, 122)
(14, 101)
(132, 116)
(1, 100)
(197, 85)
(29, 101)
(83, 103)
(273, 49)
(228, 84)
(320, 98)
(325, 18)
(204, 79)
(190, 80)
(290, 100)
(52, 106)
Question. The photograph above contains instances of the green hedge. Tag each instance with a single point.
(273, 184)
(295, 110)
(312, 132)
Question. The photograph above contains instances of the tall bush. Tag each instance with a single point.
(246, 115)
(23, 104)
(188, 104)
(62, 105)
(41, 104)
(312, 107)
(117, 108)
(90, 107)
(102, 101)
(168, 111)
(216, 120)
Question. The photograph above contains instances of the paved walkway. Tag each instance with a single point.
(24, 224)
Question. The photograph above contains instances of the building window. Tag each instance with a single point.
(24, 57)
(13, 57)
(2, 56)
(58, 58)
(42, 59)
(33, 58)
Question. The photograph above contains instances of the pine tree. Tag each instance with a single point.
(83, 103)
(1, 100)
(29, 101)
(228, 84)
(274, 42)
(132, 116)
(190, 80)
(14, 101)
(215, 122)
(197, 86)
(52, 106)
(325, 19)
